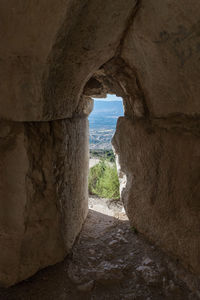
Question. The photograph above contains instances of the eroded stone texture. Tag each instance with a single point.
(13, 169)
(27, 31)
(41, 165)
(82, 49)
(71, 169)
(162, 45)
(116, 77)
(50, 49)
(145, 51)
(160, 168)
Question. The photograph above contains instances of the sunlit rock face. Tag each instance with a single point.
(54, 56)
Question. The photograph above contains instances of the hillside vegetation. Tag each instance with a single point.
(103, 180)
(107, 155)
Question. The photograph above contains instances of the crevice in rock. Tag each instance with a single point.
(127, 27)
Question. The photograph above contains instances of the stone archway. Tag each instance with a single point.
(81, 48)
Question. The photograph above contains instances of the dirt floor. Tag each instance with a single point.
(110, 260)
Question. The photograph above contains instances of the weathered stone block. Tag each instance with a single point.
(160, 185)
(162, 45)
(50, 49)
(43, 167)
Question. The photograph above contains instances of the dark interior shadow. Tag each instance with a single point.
(53, 282)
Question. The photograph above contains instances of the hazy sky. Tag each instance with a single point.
(106, 112)
(109, 98)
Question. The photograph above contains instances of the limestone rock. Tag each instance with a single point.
(147, 262)
(162, 44)
(38, 222)
(161, 191)
(50, 51)
(149, 275)
(86, 287)
(54, 55)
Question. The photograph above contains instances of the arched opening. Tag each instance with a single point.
(103, 181)
(104, 263)
(111, 80)
(100, 256)
(90, 49)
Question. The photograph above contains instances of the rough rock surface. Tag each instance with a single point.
(27, 33)
(159, 169)
(40, 164)
(53, 56)
(109, 261)
(52, 49)
(162, 46)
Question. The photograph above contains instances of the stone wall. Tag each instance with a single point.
(159, 150)
(159, 171)
(54, 56)
(43, 193)
(50, 49)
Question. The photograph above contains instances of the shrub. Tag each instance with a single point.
(103, 180)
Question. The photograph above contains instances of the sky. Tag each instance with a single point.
(106, 112)
(103, 120)
(109, 98)
(112, 105)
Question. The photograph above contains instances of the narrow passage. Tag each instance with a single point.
(110, 259)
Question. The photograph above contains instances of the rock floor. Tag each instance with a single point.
(110, 260)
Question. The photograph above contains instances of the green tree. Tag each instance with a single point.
(103, 180)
